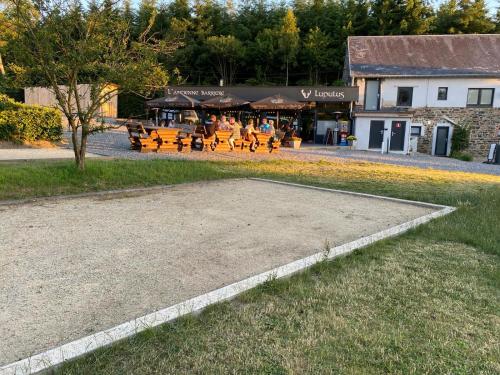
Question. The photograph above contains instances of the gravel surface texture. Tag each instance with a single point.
(37, 154)
(116, 144)
(72, 266)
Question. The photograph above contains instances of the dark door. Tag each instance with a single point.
(441, 141)
(398, 130)
(376, 134)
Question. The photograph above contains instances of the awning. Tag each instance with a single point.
(223, 102)
(173, 101)
(277, 102)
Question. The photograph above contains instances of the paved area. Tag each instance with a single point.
(73, 266)
(16, 154)
(116, 144)
(417, 160)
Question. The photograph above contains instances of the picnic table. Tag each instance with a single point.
(185, 136)
(171, 139)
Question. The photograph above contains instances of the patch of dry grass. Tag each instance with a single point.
(360, 171)
(398, 307)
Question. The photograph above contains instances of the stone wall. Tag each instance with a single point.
(484, 124)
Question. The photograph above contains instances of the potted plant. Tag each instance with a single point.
(294, 142)
(352, 140)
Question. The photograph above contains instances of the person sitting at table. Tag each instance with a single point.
(263, 125)
(250, 134)
(212, 127)
(270, 130)
(224, 124)
(236, 134)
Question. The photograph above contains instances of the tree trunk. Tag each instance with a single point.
(83, 147)
(74, 139)
(286, 84)
(2, 70)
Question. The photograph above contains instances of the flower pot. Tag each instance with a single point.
(294, 144)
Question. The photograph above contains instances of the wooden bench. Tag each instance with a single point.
(245, 143)
(185, 141)
(276, 141)
(140, 139)
(222, 137)
(275, 146)
(208, 143)
(238, 144)
(263, 140)
(168, 139)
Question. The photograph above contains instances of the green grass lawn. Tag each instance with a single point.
(424, 302)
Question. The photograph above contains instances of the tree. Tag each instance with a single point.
(417, 16)
(227, 51)
(264, 52)
(463, 17)
(497, 21)
(62, 46)
(394, 17)
(474, 17)
(288, 41)
(7, 32)
(447, 19)
(317, 52)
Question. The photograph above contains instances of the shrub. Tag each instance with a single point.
(460, 138)
(20, 122)
(7, 102)
(461, 156)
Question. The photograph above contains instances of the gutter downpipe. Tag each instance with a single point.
(353, 128)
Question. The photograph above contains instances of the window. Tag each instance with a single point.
(443, 93)
(416, 130)
(480, 97)
(405, 95)
(372, 94)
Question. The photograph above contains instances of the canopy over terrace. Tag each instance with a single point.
(321, 103)
(226, 101)
(276, 103)
(178, 100)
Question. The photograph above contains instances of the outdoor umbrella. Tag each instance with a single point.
(277, 102)
(222, 102)
(176, 101)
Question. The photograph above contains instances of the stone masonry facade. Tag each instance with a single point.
(484, 124)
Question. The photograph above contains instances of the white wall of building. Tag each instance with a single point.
(362, 131)
(425, 91)
(45, 97)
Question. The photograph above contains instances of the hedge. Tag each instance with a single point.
(20, 122)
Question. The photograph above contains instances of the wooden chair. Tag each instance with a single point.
(140, 139)
(263, 142)
(168, 140)
(222, 137)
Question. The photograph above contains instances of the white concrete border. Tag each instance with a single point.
(77, 348)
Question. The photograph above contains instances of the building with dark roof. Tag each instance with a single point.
(415, 89)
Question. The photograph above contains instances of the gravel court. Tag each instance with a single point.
(71, 267)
